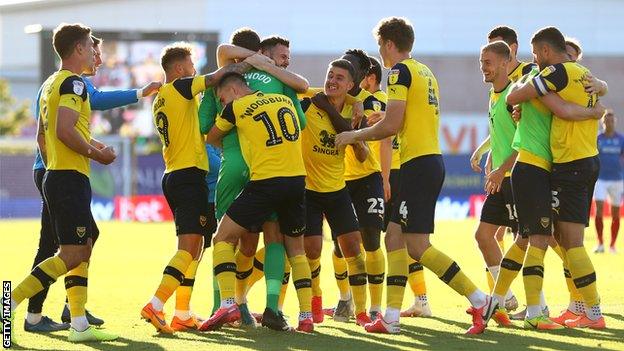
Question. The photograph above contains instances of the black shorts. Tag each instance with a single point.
(498, 208)
(211, 226)
(46, 235)
(187, 195)
(533, 200)
(394, 194)
(68, 196)
(337, 208)
(572, 185)
(367, 196)
(260, 198)
(420, 183)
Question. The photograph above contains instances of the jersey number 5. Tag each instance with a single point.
(274, 139)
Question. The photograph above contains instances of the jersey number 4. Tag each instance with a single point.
(274, 139)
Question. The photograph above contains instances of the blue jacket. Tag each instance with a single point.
(100, 101)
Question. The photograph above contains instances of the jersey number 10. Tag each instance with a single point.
(274, 139)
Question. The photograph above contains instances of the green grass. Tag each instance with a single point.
(129, 258)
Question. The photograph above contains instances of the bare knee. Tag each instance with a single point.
(73, 255)
(313, 246)
(350, 244)
(248, 244)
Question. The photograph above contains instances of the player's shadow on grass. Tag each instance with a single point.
(615, 316)
(263, 339)
(494, 339)
(128, 344)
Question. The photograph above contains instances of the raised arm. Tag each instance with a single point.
(213, 78)
(293, 80)
(227, 54)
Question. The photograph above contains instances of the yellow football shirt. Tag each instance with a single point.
(396, 153)
(521, 69)
(269, 134)
(324, 163)
(414, 83)
(355, 169)
(65, 89)
(175, 117)
(569, 140)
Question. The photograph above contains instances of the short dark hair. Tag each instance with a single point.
(364, 62)
(230, 77)
(96, 41)
(396, 29)
(375, 69)
(576, 45)
(269, 42)
(498, 47)
(551, 36)
(344, 64)
(174, 53)
(66, 36)
(507, 34)
(246, 38)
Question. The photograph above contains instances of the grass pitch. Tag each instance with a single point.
(128, 260)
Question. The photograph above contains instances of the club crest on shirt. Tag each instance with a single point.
(203, 220)
(393, 76)
(548, 71)
(376, 106)
(81, 231)
(78, 87)
(544, 222)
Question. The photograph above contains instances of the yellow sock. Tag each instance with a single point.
(501, 244)
(224, 267)
(340, 273)
(583, 274)
(258, 269)
(76, 287)
(315, 271)
(282, 295)
(244, 268)
(397, 277)
(357, 280)
(575, 295)
(509, 269)
(448, 271)
(559, 251)
(173, 275)
(416, 278)
(533, 275)
(184, 291)
(302, 281)
(376, 270)
(490, 280)
(42, 276)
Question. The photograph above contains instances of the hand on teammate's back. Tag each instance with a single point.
(151, 88)
(106, 155)
(517, 113)
(593, 85)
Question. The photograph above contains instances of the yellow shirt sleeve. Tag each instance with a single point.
(198, 85)
(399, 81)
(72, 93)
(226, 120)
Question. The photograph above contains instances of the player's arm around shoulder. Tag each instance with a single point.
(223, 124)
